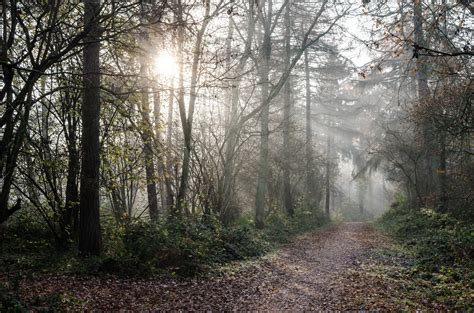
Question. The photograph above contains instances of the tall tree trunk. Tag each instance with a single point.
(7, 155)
(187, 119)
(262, 181)
(147, 127)
(311, 196)
(442, 174)
(90, 237)
(147, 136)
(383, 204)
(287, 197)
(371, 198)
(177, 208)
(166, 191)
(429, 145)
(226, 191)
(441, 135)
(169, 155)
(263, 168)
(360, 196)
(328, 176)
(158, 139)
(71, 206)
(421, 73)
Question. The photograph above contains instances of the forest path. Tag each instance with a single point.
(336, 268)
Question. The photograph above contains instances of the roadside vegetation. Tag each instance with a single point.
(134, 247)
(437, 250)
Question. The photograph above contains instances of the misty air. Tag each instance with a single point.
(236, 155)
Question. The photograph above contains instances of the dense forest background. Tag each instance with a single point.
(175, 134)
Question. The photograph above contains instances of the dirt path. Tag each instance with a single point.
(330, 269)
(314, 270)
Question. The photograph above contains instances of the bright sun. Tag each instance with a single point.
(165, 64)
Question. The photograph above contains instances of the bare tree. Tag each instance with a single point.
(187, 113)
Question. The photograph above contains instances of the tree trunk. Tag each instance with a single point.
(328, 175)
(287, 197)
(147, 128)
(360, 195)
(169, 155)
(147, 137)
(71, 208)
(161, 168)
(226, 189)
(312, 197)
(442, 175)
(429, 145)
(150, 175)
(11, 141)
(90, 238)
(262, 181)
(187, 120)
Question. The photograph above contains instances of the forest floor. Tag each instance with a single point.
(341, 267)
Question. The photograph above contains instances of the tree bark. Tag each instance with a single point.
(169, 155)
(262, 180)
(442, 174)
(311, 192)
(328, 176)
(226, 189)
(429, 145)
(90, 237)
(287, 197)
(177, 208)
(147, 127)
(71, 207)
(150, 175)
(187, 119)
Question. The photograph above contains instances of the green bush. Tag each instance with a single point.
(25, 233)
(281, 229)
(437, 238)
(443, 249)
(134, 247)
(242, 241)
(184, 247)
(9, 302)
(188, 246)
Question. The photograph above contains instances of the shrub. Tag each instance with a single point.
(443, 247)
(437, 239)
(178, 246)
(9, 302)
(241, 242)
(26, 233)
(187, 246)
(280, 228)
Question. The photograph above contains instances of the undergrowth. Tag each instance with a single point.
(442, 248)
(184, 247)
(177, 248)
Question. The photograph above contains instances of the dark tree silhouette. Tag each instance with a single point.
(90, 241)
